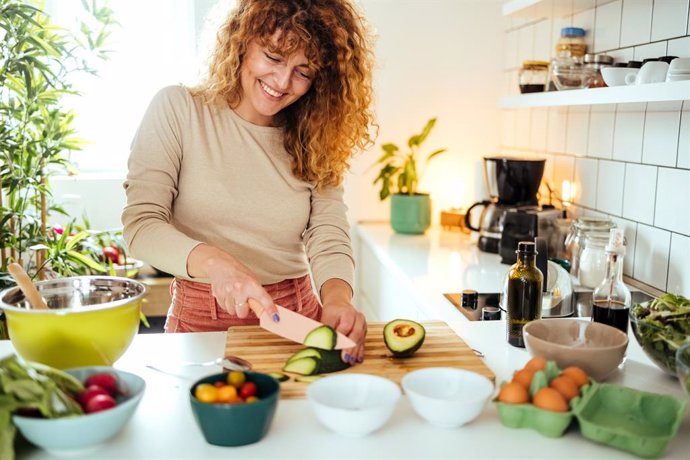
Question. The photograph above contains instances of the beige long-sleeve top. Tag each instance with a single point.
(199, 173)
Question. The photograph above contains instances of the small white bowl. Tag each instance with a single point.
(615, 76)
(447, 397)
(353, 404)
(83, 433)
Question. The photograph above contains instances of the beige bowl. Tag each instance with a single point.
(595, 347)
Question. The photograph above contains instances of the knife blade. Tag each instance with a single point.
(294, 326)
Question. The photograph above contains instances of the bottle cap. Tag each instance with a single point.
(572, 32)
(528, 247)
(616, 242)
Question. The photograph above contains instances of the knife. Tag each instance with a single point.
(294, 326)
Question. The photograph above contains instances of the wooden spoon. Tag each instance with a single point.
(27, 287)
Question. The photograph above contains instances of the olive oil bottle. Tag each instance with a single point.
(523, 292)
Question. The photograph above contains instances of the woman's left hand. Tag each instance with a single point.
(346, 319)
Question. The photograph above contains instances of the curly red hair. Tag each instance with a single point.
(332, 120)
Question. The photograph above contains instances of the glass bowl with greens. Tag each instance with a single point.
(661, 326)
(683, 367)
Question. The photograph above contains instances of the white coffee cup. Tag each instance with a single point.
(615, 76)
(679, 65)
(651, 72)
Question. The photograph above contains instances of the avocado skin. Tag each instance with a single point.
(403, 347)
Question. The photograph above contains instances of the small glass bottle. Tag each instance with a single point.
(470, 299)
(611, 299)
(533, 76)
(571, 44)
(593, 258)
(596, 62)
(523, 292)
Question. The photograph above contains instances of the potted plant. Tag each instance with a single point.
(410, 210)
(36, 60)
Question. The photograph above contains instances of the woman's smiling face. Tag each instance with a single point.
(271, 82)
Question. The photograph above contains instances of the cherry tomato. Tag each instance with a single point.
(251, 399)
(99, 403)
(91, 391)
(219, 384)
(105, 380)
(227, 394)
(206, 392)
(236, 379)
(248, 389)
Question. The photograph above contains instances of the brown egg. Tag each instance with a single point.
(579, 376)
(523, 377)
(566, 386)
(513, 393)
(536, 364)
(550, 399)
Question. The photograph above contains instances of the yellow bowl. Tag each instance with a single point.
(91, 320)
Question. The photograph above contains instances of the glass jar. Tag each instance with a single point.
(592, 264)
(533, 76)
(571, 43)
(596, 62)
(574, 242)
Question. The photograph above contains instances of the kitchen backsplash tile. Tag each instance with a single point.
(636, 25)
(610, 178)
(630, 161)
(672, 193)
(651, 255)
(678, 273)
(669, 19)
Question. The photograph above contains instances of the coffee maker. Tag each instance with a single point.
(512, 184)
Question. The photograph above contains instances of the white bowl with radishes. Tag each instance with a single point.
(109, 400)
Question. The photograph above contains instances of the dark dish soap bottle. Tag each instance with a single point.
(523, 292)
(611, 300)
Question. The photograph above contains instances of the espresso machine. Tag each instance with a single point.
(512, 184)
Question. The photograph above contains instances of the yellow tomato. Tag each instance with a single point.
(236, 378)
(251, 399)
(206, 392)
(226, 394)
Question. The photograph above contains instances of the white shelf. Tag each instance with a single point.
(537, 8)
(654, 92)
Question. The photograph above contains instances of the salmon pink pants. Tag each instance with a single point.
(194, 309)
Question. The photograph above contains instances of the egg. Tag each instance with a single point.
(550, 399)
(513, 393)
(579, 376)
(536, 364)
(523, 377)
(566, 386)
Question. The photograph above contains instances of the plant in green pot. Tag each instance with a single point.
(399, 178)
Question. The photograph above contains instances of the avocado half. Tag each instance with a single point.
(403, 337)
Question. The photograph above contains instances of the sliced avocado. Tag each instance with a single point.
(403, 337)
(323, 337)
(331, 361)
(279, 376)
(302, 366)
(306, 353)
(307, 378)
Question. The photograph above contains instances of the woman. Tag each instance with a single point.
(235, 186)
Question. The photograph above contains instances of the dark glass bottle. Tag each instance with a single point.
(611, 299)
(523, 292)
(470, 297)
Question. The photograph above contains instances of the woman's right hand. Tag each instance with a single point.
(232, 283)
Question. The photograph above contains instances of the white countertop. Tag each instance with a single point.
(163, 426)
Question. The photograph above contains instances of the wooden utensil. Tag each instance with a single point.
(27, 286)
(442, 348)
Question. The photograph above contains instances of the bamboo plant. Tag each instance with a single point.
(36, 132)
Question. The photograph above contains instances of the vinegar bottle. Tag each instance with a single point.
(611, 299)
(523, 292)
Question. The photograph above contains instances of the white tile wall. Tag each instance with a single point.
(636, 25)
(651, 255)
(601, 123)
(678, 273)
(639, 193)
(607, 26)
(672, 193)
(630, 161)
(670, 19)
(525, 44)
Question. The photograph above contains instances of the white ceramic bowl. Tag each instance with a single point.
(353, 404)
(447, 397)
(79, 434)
(615, 76)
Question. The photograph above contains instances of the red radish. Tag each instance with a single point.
(99, 403)
(105, 380)
(112, 254)
(90, 392)
(248, 389)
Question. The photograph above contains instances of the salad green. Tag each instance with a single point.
(661, 326)
(36, 388)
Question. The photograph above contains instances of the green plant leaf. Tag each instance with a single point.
(435, 153)
(84, 260)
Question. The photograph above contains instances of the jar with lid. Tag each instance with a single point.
(593, 260)
(574, 241)
(571, 43)
(596, 62)
(533, 76)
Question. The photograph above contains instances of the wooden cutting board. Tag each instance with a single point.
(442, 348)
